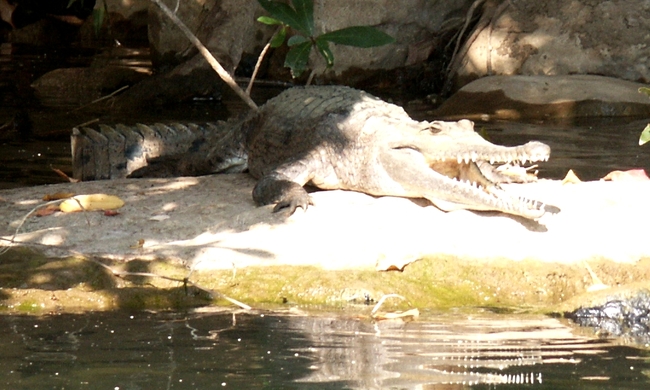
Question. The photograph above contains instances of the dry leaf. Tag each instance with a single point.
(571, 178)
(91, 203)
(630, 175)
(57, 196)
(138, 245)
(63, 175)
(111, 213)
(47, 210)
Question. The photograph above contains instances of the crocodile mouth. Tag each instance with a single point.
(531, 152)
(476, 177)
(472, 166)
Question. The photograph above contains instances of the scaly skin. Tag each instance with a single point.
(331, 137)
(341, 138)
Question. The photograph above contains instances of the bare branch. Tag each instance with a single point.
(225, 76)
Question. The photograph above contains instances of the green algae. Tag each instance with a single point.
(36, 285)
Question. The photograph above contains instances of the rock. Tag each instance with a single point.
(213, 224)
(67, 87)
(209, 224)
(557, 37)
(225, 27)
(229, 30)
(543, 97)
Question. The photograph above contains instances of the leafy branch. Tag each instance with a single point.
(299, 17)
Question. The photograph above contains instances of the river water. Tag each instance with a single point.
(281, 351)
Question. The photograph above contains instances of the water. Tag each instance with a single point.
(274, 351)
(591, 147)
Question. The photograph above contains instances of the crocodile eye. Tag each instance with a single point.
(433, 128)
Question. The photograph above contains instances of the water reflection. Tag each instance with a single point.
(248, 351)
(592, 147)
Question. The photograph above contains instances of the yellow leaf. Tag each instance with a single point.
(571, 178)
(91, 203)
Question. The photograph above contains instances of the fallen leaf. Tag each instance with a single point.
(91, 203)
(57, 196)
(63, 175)
(629, 175)
(111, 213)
(138, 245)
(571, 178)
(47, 210)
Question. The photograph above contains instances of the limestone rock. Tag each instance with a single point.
(557, 37)
(541, 97)
(80, 86)
(210, 222)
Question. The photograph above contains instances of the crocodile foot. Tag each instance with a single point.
(277, 189)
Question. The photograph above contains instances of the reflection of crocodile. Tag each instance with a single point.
(342, 138)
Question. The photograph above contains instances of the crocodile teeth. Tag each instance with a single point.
(459, 159)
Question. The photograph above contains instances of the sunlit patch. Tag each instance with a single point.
(52, 239)
(28, 202)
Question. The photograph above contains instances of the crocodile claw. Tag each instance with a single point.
(292, 202)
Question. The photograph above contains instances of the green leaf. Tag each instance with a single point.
(98, 19)
(285, 14)
(70, 3)
(305, 11)
(268, 20)
(278, 38)
(297, 58)
(297, 40)
(358, 36)
(324, 49)
(645, 135)
(645, 90)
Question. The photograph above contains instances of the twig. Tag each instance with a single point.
(468, 18)
(456, 58)
(225, 76)
(383, 299)
(110, 95)
(259, 61)
(185, 281)
(87, 123)
(490, 27)
(22, 222)
(311, 77)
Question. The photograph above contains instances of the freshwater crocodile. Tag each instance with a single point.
(335, 137)
(624, 317)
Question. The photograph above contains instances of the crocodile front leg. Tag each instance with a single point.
(277, 188)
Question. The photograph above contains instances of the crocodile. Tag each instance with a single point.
(624, 317)
(335, 137)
